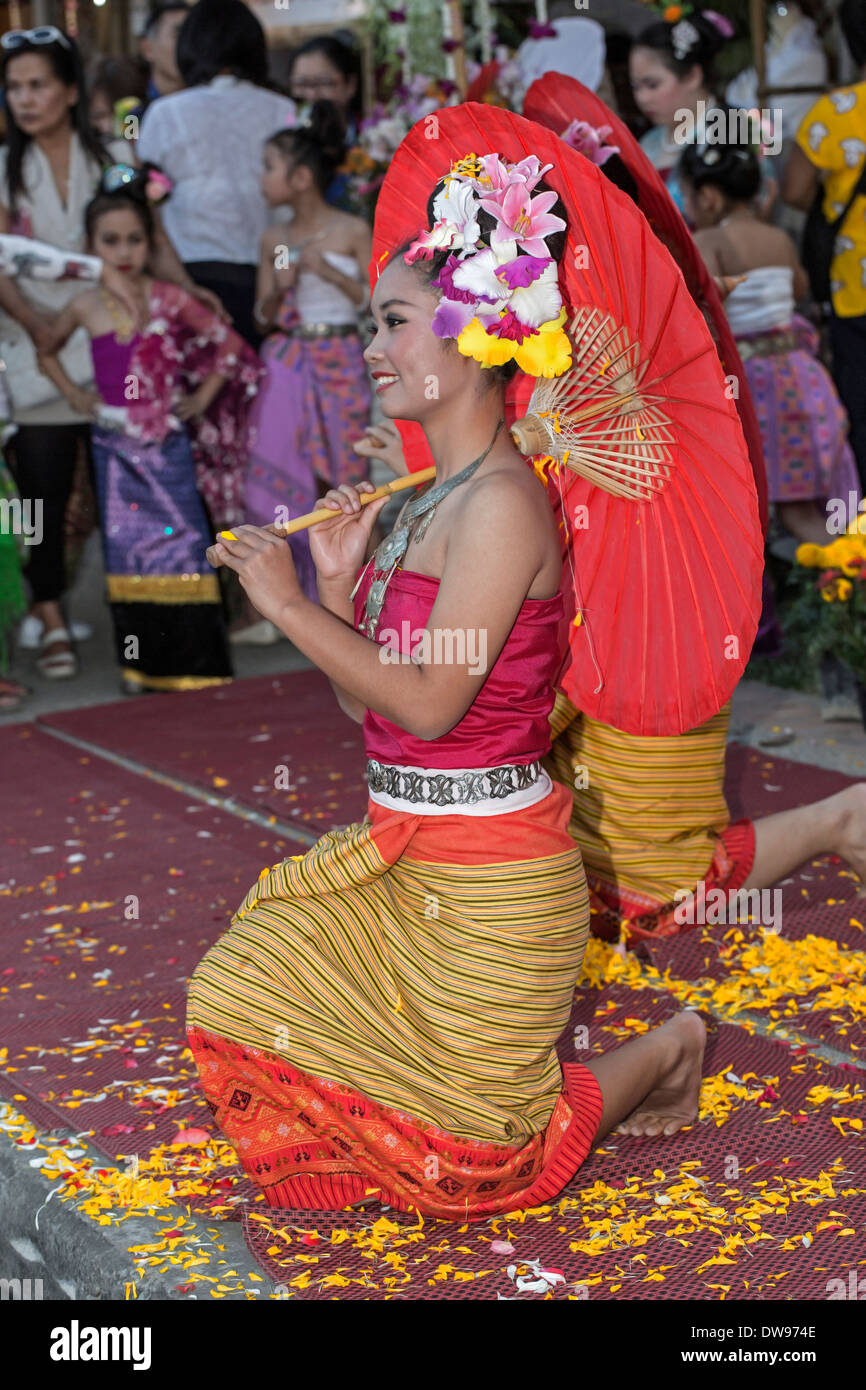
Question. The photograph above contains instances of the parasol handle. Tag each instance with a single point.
(301, 523)
(530, 436)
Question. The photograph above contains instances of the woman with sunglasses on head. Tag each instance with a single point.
(49, 170)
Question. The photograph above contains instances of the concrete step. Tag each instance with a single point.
(66, 1255)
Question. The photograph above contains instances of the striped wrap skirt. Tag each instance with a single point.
(650, 817)
(382, 1016)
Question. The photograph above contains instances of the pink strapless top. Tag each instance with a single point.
(111, 360)
(508, 720)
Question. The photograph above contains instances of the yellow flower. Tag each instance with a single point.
(847, 554)
(828, 594)
(812, 556)
(843, 589)
(485, 347)
(547, 353)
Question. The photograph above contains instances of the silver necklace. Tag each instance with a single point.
(414, 523)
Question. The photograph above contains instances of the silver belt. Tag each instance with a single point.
(441, 789)
(323, 330)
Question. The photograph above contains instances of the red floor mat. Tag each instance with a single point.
(714, 1212)
(712, 953)
(280, 744)
(757, 785)
(111, 890)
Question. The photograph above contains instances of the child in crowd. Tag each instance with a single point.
(804, 428)
(165, 600)
(312, 283)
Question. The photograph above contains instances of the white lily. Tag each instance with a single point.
(457, 203)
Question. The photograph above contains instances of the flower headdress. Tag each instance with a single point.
(684, 35)
(500, 291)
(590, 141)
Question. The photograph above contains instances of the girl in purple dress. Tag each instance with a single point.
(152, 388)
(315, 398)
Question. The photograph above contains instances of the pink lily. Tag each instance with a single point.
(589, 140)
(523, 219)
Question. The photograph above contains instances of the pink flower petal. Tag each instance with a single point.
(191, 1136)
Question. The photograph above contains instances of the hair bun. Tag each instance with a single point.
(147, 182)
(328, 128)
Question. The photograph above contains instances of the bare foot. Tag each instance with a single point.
(851, 843)
(674, 1102)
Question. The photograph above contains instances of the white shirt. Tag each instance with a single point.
(209, 140)
(578, 49)
(318, 301)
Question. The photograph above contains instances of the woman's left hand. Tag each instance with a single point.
(264, 565)
(189, 407)
(311, 259)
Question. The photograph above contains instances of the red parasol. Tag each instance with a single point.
(555, 101)
(667, 590)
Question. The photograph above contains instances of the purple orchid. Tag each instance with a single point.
(541, 31)
(451, 317)
(522, 271)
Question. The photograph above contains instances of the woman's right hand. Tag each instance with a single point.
(383, 441)
(339, 546)
(83, 401)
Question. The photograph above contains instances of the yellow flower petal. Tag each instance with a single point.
(547, 353)
(812, 556)
(486, 348)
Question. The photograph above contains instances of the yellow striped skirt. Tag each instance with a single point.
(383, 1013)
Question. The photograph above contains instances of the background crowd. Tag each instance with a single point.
(233, 187)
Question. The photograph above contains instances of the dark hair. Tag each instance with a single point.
(617, 171)
(129, 195)
(320, 144)
(701, 52)
(429, 269)
(852, 22)
(65, 63)
(222, 36)
(342, 54)
(158, 10)
(119, 78)
(732, 168)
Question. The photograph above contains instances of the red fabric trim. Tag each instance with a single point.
(335, 1146)
(612, 907)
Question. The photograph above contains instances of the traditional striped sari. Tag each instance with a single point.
(382, 1016)
(650, 817)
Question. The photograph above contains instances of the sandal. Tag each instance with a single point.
(56, 666)
(12, 695)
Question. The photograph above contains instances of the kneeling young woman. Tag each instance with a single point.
(383, 1014)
